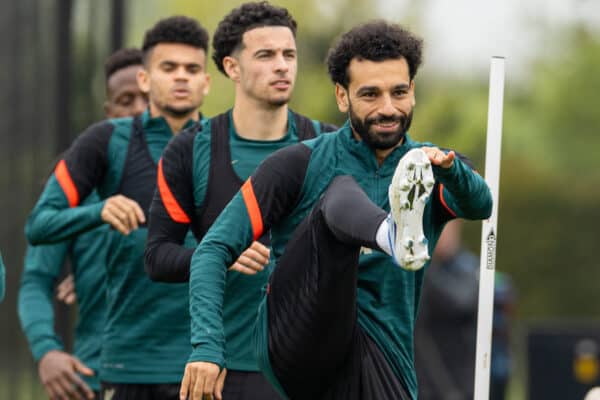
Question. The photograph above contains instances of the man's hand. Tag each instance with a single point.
(439, 158)
(122, 213)
(65, 291)
(201, 381)
(252, 260)
(58, 373)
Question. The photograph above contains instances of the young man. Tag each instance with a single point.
(145, 320)
(123, 99)
(254, 46)
(57, 369)
(337, 322)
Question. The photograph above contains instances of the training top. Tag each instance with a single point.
(42, 269)
(280, 194)
(200, 171)
(146, 338)
(2, 278)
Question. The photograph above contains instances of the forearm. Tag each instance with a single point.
(168, 262)
(47, 225)
(464, 191)
(54, 220)
(229, 236)
(37, 314)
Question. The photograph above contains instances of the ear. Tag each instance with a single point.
(206, 89)
(412, 92)
(143, 80)
(341, 97)
(232, 68)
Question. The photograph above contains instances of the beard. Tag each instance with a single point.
(178, 112)
(380, 140)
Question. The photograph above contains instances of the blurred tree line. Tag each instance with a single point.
(53, 83)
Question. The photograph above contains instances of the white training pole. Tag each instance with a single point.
(489, 232)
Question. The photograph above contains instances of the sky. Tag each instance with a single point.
(462, 35)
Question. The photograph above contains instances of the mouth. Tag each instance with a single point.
(181, 93)
(388, 126)
(281, 84)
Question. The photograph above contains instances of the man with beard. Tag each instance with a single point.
(58, 370)
(337, 321)
(146, 337)
(199, 173)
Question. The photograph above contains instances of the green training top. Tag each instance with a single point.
(244, 292)
(146, 337)
(200, 172)
(280, 194)
(43, 266)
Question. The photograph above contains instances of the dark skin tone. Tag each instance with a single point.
(123, 96)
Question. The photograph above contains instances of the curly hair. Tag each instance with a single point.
(375, 41)
(177, 29)
(228, 36)
(120, 59)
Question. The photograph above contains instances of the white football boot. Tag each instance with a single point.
(411, 186)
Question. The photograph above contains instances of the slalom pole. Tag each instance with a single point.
(489, 232)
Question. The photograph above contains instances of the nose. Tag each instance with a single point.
(281, 64)
(387, 106)
(181, 74)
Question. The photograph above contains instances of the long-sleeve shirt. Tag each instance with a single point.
(280, 194)
(42, 269)
(146, 338)
(188, 176)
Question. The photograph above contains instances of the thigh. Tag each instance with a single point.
(246, 385)
(366, 375)
(312, 304)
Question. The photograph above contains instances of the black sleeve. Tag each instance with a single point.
(171, 213)
(278, 181)
(86, 159)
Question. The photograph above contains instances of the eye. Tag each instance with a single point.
(125, 100)
(193, 69)
(400, 92)
(167, 67)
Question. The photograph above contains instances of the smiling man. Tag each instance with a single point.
(146, 337)
(337, 323)
(255, 47)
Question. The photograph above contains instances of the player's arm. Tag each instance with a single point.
(58, 214)
(58, 370)
(171, 212)
(462, 192)
(268, 195)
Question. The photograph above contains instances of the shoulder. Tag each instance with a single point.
(184, 140)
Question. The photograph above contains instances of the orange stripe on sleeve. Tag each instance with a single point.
(253, 209)
(173, 208)
(444, 201)
(66, 183)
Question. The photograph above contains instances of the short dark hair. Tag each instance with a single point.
(375, 41)
(120, 59)
(228, 36)
(177, 29)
